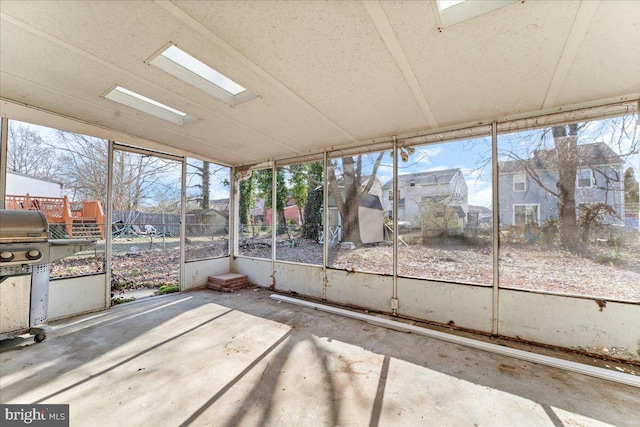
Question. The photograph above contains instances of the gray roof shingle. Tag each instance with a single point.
(421, 178)
(597, 153)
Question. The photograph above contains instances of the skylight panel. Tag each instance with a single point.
(149, 100)
(203, 70)
(147, 105)
(455, 11)
(191, 70)
(446, 4)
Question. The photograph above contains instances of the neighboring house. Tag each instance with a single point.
(262, 215)
(599, 179)
(631, 216)
(430, 200)
(376, 187)
(258, 212)
(480, 216)
(220, 205)
(292, 214)
(19, 184)
(200, 221)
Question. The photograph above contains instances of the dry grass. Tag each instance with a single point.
(609, 272)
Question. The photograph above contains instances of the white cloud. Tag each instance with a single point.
(384, 177)
(470, 173)
(424, 156)
(480, 193)
(437, 168)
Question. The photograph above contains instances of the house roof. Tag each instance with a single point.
(474, 208)
(371, 201)
(220, 204)
(597, 153)
(423, 178)
(206, 212)
(35, 177)
(225, 200)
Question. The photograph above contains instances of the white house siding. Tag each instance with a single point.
(20, 185)
(413, 197)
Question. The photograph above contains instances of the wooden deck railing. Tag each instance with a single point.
(58, 210)
(93, 209)
(53, 207)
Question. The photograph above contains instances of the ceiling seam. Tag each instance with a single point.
(381, 21)
(138, 140)
(196, 25)
(136, 77)
(585, 13)
(533, 115)
(97, 106)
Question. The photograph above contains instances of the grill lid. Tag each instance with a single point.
(23, 226)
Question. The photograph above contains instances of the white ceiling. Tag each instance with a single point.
(327, 74)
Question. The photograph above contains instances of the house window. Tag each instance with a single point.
(526, 214)
(519, 182)
(585, 178)
(391, 194)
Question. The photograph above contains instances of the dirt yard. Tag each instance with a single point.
(607, 275)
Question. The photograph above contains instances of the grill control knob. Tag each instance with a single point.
(6, 256)
(34, 254)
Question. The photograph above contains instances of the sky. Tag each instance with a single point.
(470, 156)
(166, 185)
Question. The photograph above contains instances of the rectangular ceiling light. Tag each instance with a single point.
(203, 70)
(446, 4)
(191, 70)
(148, 105)
(455, 11)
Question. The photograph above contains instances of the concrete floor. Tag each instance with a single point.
(209, 358)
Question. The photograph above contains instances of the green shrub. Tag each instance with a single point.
(121, 300)
(167, 289)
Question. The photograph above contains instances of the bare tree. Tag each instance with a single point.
(206, 178)
(203, 176)
(631, 188)
(566, 142)
(349, 190)
(591, 215)
(29, 153)
(440, 214)
(137, 176)
(557, 152)
(83, 164)
(202, 170)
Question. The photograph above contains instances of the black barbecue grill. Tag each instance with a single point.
(25, 255)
